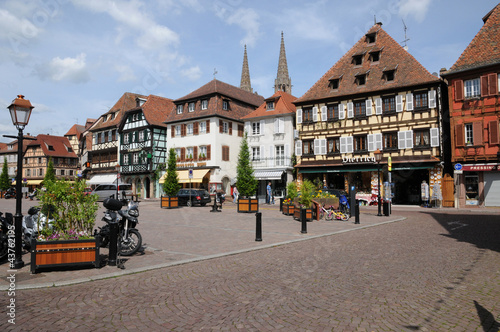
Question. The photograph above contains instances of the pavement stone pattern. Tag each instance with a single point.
(432, 270)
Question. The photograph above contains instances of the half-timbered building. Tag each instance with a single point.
(376, 97)
(473, 85)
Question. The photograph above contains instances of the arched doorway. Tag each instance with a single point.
(147, 187)
(226, 185)
(138, 186)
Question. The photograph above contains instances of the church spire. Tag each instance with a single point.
(283, 82)
(245, 74)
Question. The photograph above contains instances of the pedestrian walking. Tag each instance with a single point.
(268, 193)
(235, 194)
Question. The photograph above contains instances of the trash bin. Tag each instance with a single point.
(386, 208)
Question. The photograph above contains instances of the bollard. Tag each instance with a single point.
(113, 243)
(281, 204)
(258, 226)
(356, 213)
(303, 220)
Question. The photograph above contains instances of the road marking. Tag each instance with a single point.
(458, 223)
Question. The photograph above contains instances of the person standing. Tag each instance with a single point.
(235, 194)
(268, 193)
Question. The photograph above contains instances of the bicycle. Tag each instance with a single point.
(339, 215)
(324, 213)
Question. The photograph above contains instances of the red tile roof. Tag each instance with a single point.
(408, 71)
(60, 145)
(282, 105)
(155, 109)
(241, 102)
(76, 130)
(484, 49)
(127, 101)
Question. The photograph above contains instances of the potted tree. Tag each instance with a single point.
(246, 182)
(288, 206)
(68, 240)
(305, 200)
(171, 184)
(4, 178)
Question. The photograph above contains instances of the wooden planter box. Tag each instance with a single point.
(169, 202)
(248, 205)
(288, 210)
(309, 214)
(64, 253)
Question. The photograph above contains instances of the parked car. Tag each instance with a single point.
(198, 196)
(87, 191)
(109, 190)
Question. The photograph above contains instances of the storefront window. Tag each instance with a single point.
(472, 189)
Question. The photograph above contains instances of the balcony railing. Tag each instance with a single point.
(272, 162)
(135, 168)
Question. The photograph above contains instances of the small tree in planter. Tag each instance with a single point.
(246, 182)
(4, 177)
(171, 184)
(292, 193)
(307, 190)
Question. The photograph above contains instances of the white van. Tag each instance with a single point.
(106, 190)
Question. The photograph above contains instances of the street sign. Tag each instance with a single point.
(190, 172)
(458, 167)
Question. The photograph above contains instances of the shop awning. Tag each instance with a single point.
(268, 175)
(183, 175)
(102, 178)
(34, 182)
(336, 170)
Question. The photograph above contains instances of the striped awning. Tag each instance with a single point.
(268, 175)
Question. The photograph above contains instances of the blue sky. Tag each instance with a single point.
(73, 59)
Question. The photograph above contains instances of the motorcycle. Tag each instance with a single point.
(129, 238)
(6, 227)
(32, 223)
(10, 193)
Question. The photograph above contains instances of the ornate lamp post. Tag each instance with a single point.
(117, 167)
(20, 111)
(378, 158)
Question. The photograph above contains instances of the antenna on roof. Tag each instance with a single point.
(406, 39)
(374, 19)
(215, 72)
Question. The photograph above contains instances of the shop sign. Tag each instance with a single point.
(475, 168)
(354, 160)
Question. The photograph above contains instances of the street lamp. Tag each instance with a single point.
(117, 167)
(20, 111)
(378, 158)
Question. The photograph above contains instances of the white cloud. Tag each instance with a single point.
(416, 8)
(245, 18)
(126, 73)
(193, 73)
(67, 69)
(309, 23)
(14, 28)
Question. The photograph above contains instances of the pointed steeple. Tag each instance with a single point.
(283, 82)
(245, 74)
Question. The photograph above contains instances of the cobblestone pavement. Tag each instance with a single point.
(437, 270)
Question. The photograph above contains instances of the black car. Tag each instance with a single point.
(198, 196)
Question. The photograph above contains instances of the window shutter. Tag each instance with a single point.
(230, 125)
(195, 153)
(221, 129)
(409, 102)
(399, 103)
(492, 84)
(172, 131)
(322, 143)
(493, 131)
(378, 141)
(271, 156)
(195, 128)
(276, 125)
(298, 148)
(371, 142)
(287, 152)
(315, 114)
(484, 85)
(183, 129)
(350, 144)
(378, 106)
(299, 115)
(262, 126)
(208, 126)
(432, 98)
(477, 132)
(316, 147)
(281, 125)
(208, 152)
(350, 110)
(458, 86)
(434, 137)
(183, 154)
(459, 135)
(323, 113)
(401, 140)
(343, 145)
(368, 107)
(409, 139)
(248, 128)
(341, 111)
(262, 151)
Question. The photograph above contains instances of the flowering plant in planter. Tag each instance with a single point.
(72, 210)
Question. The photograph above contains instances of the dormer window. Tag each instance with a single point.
(334, 82)
(139, 102)
(191, 107)
(375, 55)
(357, 60)
(361, 78)
(389, 73)
(225, 105)
(179, 109)
(270, 105)
(204, 104)
(50, 148)
(371, 38)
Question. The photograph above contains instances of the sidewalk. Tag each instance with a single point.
(184, 235)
